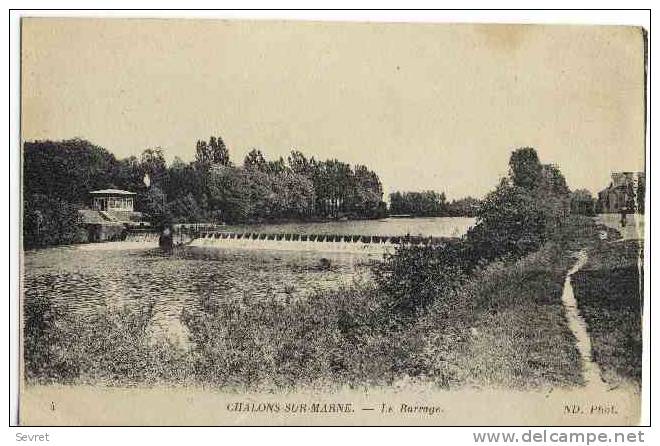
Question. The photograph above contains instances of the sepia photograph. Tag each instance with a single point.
(298, 222)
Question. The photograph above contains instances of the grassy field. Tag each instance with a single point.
(609, 291)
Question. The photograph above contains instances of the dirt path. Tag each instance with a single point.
(590, 370)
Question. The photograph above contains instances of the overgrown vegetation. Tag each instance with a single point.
(50, 221)
(505, 327)
(111, 346)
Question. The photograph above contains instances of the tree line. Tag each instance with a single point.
(431, 204)
(58, 176)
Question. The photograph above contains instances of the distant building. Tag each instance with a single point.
(111, 215)
(112, 200)
(625, 193)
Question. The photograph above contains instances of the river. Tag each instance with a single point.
(84, 278)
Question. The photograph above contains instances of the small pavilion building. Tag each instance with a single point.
(111, 214)
(112, 200)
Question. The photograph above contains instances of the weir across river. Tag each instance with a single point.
(309, 242)
(211, 236)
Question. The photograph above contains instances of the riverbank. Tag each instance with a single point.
(519, 337)
(503, 327)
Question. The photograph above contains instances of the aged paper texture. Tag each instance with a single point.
(324, 223)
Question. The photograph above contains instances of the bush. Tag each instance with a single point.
(330, 337)
(109, 347)
(49, 221)
(510, 224)
(416, 275)
(523, 212)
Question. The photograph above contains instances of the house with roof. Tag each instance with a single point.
(624, 194)
(111, 214)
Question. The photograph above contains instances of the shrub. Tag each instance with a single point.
(49, 221)
(416, 275)
(523, 212)
(111, 346)
(328, 337)
(510, 223)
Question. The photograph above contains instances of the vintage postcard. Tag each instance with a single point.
(331, 223)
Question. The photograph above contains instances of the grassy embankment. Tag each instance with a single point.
(504, 326)
(519, 335)
(609, 291)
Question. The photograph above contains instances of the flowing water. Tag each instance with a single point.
(85, 278)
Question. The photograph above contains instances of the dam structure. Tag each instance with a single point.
(367, 244)
(213, 237)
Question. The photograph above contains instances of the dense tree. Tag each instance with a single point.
(186, 209)
(276, 167)
(292, 196)
(523, 211)
(129, 175)
(219, 151)
(154, 204)
(255, 161)
(422, 204)
(67, 170)
(50, 221)
(367, 192)
(300, 164)
(208, 189)
(510, 222)
(515, 219)
(152, 163)
(640, 196)
(525, 168)
(432, 204)
(463, 207)
(214, 152)
(583, 202)
(230, 195)
(553, 179)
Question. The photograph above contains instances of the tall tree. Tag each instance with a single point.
(276, 167)
(522, 212)
(219, 151)
(525, 168)
(255, 161)
(582, 202)
(298, 163)
(214, 152)
(152, 162)
(67, 170)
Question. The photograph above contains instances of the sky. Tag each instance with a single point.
(426, 106)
